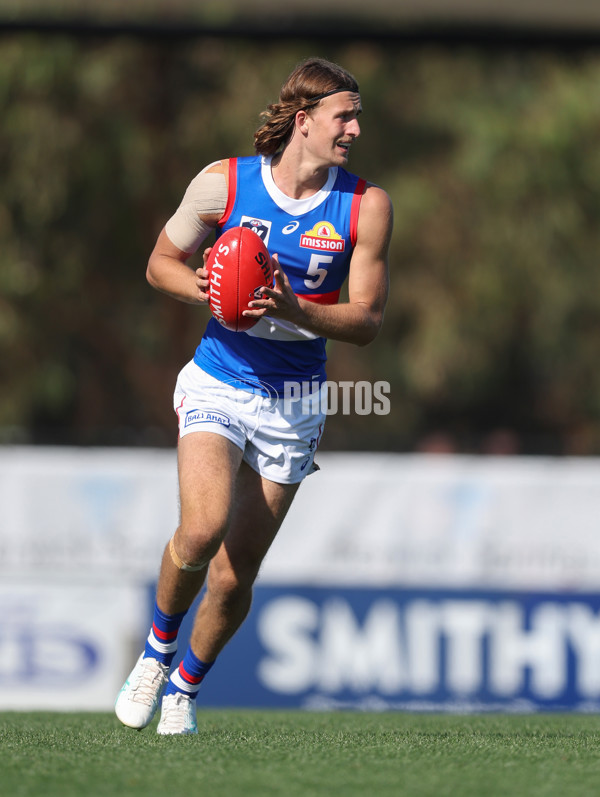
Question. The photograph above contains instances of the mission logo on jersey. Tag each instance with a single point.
(324, 237)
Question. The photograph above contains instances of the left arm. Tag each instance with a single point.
(359, 319)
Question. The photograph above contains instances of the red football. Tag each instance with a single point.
(239, 266)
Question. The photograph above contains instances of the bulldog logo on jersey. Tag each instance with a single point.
(324, 237)
(261, 227)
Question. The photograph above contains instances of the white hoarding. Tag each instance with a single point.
(370, 519)
(66, 647)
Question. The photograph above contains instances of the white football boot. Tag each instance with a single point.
(138, 699)
(178, 715)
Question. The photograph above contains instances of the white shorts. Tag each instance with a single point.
(279, 439)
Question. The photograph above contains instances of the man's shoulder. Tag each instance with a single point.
(376, 211)
(375, 195)
(223, 164)
(372, 193)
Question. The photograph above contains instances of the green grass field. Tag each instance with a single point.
(300, 754)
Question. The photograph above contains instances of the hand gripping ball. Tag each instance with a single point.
(239, 267)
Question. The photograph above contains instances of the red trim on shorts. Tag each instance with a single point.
(178, 418)
(231, 192)
(354, 208)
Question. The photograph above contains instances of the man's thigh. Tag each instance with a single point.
(208, 466)
(259, 508)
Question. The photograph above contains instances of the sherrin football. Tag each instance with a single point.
(239, 267)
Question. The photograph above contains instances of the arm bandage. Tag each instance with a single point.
(206, 195)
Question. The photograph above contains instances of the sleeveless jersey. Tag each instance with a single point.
(314, 238)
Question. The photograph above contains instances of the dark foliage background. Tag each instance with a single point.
(491, 158)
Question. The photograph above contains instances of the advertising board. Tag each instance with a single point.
(420, 582)
(424, 650)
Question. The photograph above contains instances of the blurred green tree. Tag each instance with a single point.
(491, 162)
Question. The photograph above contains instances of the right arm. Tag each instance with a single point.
(169, 273)
(200, 211)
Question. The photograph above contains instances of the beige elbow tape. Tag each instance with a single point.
(179, 563)
(206, 195)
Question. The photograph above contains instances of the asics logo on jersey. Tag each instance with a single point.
(290, 228)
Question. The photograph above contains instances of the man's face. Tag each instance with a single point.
(333, 126)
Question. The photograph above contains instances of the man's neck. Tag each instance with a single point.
(297, 178)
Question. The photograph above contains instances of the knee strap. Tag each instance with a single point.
(179, 563)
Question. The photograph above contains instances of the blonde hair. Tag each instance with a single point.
(311, 81)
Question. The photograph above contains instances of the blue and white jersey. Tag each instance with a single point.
(314, 239)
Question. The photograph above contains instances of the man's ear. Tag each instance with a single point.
(301, 121)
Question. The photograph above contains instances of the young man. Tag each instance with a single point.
(242, 452)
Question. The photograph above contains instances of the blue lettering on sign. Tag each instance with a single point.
(46, 658)
(202, 416)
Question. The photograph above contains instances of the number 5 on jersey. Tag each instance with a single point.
(316, 271)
